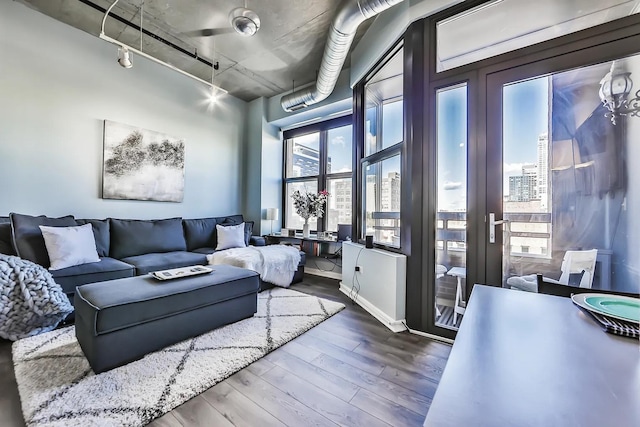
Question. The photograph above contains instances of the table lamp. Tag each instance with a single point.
(272, 215)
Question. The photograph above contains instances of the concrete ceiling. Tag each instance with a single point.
(287, 48)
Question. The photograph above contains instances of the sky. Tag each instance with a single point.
(525, 109)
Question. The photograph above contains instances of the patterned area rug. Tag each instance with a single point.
(58, 388)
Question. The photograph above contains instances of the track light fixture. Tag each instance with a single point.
(124, 57)
(124, 54)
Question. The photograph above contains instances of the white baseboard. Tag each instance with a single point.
(394, 325)
(322, 273)
(433, 337)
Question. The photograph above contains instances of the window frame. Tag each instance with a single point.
(323, 177)
(398, 149)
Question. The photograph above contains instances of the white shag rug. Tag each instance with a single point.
(58, 388)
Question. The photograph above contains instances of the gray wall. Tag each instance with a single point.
(58, 84)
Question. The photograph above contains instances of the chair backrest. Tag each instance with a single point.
(561, 290)
(575, 262)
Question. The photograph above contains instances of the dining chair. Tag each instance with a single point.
(560, 290)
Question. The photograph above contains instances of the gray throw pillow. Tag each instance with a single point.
(200, 233)
(6, 243)
(27, 237)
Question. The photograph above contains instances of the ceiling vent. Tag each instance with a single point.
(350, 15)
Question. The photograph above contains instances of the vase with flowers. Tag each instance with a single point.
(309, 205)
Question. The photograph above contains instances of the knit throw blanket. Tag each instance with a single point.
(30, 301)
(276, 263)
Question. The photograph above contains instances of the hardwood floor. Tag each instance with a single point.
(350, 370)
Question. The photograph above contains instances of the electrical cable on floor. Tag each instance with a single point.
(355, 283)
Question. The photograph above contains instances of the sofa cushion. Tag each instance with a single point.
(200, 233)
(106, 269)
(100, 232)
(27, 237)
(206, 251)
(163, 261)
(131, 237)
(230, 220)
(70, 246)
(6, 244)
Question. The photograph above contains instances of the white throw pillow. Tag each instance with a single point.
(231, 236)
(69, 246)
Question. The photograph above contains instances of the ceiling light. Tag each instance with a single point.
(615, 87)
(245, 21)
(124, 57)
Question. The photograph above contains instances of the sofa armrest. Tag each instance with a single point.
(257, 241)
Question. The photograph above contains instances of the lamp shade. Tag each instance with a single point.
(272, 214)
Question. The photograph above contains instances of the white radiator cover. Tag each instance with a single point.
(382, 280)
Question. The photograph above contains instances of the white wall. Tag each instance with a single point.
(58, 84)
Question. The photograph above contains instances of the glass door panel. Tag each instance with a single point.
(570, 196)
(451, 213)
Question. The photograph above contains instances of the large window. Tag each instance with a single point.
(320, 157)
(383, 143)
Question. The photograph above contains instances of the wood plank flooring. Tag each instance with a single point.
(350, 371)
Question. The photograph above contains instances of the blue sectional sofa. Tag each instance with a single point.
(127, 247)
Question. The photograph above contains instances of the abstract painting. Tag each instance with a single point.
(140, 164)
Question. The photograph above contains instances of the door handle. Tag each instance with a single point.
(492, 226)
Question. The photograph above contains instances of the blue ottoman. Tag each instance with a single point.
(119, 321)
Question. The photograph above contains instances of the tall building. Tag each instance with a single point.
(390, 194)
(522, 188)
(340, 198)
(543, 171)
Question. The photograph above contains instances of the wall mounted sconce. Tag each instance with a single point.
(615, 87)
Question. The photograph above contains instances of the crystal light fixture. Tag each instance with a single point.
(615, 87)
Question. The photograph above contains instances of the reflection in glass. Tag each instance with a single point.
(384, 118)
(303, 155)
(382, 201)
(571, 183)
(451, 235)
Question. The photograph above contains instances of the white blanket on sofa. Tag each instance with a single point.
(276, 263)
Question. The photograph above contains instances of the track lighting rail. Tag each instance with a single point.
(103, 36)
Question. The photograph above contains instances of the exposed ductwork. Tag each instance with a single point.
(351, 13)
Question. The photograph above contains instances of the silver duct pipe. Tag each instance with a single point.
(351, 13)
